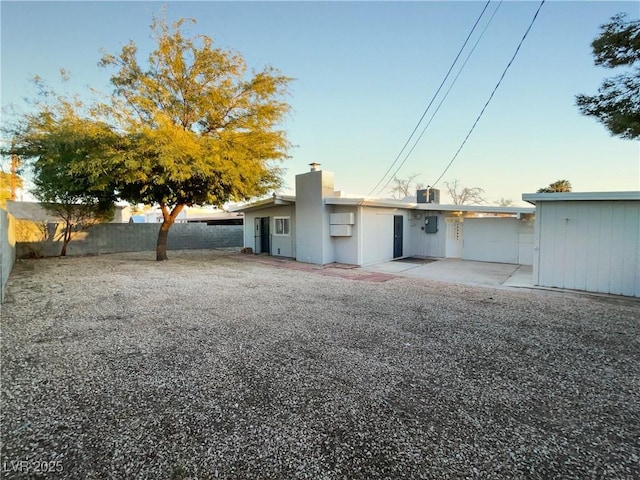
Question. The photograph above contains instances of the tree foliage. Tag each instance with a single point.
(197, 129)
(617, 104)
(60, 144)
(188, 126)
(7, 181)
(557, 186)
(461, 195)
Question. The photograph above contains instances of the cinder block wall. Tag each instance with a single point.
(134, 237)
(7, 248)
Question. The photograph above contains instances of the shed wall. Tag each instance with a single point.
(589, 245)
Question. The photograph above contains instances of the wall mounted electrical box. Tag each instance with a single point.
(431, 224)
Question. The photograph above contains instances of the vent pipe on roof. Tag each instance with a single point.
(314, 166)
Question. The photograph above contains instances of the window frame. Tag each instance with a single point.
(285, 232)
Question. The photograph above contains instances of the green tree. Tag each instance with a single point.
(617, 104)
(196, 129)
(557, 186)
(58, 143)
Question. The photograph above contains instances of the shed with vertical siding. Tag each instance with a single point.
(587, 241)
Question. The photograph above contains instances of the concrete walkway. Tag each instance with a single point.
(455, 270)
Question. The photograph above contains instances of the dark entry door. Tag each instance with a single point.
(397, 236)
(264, 235)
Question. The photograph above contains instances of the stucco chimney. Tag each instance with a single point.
(314, 166)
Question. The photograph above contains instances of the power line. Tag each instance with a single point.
(441, 101)
(433, 98)
(492, 94)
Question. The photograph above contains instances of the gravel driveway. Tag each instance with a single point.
(210, 366)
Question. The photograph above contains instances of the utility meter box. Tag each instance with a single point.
(431, 224)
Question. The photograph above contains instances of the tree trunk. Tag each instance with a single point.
(65, 239)
(168, 219)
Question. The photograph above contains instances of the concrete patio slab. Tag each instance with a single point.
(467, 272)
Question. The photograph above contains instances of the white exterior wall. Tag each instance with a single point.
(286, 244)
(377, 234)
(249, 222)
(346, 249)
(588, 245)
(498, 239)
(426, 244)
(312, 241)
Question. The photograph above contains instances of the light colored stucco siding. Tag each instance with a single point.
(345, 249)
(426, 244)
(589, 245)
(500, 239)
(377, 234)
(312, 241)
(249, 225)
(283, 245)
(7, 248)
(286, 244)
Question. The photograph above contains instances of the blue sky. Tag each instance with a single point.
(364, 74)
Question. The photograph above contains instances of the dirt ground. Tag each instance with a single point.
(215, 366)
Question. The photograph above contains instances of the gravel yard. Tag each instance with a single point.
(214, 366)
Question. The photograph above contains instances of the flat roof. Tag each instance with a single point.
(266, 203)
(436, 207)
(579, 196)
(385, 203)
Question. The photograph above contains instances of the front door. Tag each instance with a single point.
(397, 236)
(454, 244)
(261, 235)
(264, 235)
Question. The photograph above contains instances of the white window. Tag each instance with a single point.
(282, 226)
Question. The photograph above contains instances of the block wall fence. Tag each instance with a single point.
(130, 237)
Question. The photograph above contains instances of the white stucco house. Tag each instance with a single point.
(319, 225)
(587, 241)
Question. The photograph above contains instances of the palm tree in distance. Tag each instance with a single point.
(558, 186)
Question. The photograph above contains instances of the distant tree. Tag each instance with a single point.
(557, 186)
(196, 129)
(617, 104)
(59, 144)
(405, 187)
(465, 195)
(504, 202)
(8, 183)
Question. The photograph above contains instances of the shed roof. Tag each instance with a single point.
(579, 196)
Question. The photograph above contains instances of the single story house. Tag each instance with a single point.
(587, 241)
(319, 225)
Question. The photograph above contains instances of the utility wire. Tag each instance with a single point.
(441, 101)
(433, 98)
(492, 94)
